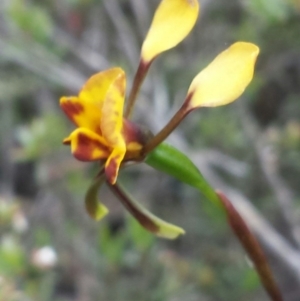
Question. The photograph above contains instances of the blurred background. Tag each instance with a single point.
(51, 250)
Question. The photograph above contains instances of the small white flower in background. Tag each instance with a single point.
(44, 258)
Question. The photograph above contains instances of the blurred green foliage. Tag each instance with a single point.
(32, 19)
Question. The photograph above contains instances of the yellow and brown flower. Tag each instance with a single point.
(104, 134)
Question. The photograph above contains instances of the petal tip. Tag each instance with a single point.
(94, 208)
(67, 141)
(71, 106)
(170, 231)
(161, 35)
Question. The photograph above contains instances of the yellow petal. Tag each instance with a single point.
(113, 163)
(87, 145)
(226, 78)
(85, 110)
(172, 22)
(112, 124)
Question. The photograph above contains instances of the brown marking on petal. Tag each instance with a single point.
(135, 133)
(111, 170)
(86, 147)
(192, 2)
(67, 141)
(72, 108)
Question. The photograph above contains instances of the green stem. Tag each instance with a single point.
(137, 82)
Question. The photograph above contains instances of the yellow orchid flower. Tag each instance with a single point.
(104, 134)
(97, 111)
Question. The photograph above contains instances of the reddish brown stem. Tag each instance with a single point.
(169, 128)
(137, 82)
(130, 205)
(252, 247)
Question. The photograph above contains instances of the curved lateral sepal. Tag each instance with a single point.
(94, 208)
(145, 218)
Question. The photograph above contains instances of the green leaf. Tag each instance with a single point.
(31, 19)
(94, 208)
(171, 161)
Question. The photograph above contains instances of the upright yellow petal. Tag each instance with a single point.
(85, 110)
(112, 125)
(226, 78)
(172, 22)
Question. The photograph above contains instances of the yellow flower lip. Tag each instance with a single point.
(172, 22)
(225, 78)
